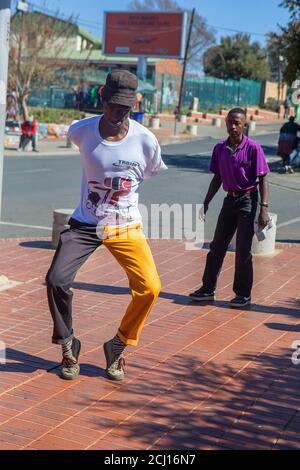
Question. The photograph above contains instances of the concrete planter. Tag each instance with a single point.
(70, 145)
(265, 247)
(60, 222)
(154, 123)
(252, 126)
(192, 129)
(217, 122)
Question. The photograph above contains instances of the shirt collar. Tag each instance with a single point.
(240, 146)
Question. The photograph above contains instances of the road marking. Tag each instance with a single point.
(25, 226)
(41, 170)
(199, 154)
(286, 188)
(289, 222)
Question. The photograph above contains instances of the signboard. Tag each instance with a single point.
(150, 34)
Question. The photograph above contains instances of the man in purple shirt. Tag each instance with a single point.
(239, 164)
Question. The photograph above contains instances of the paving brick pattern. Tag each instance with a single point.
(202, 377)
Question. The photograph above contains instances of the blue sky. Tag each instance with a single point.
(255, 16)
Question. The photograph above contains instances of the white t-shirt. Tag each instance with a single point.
(113, 172)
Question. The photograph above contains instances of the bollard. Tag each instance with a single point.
(183, 118)
(252, 126)
(260, 248)
(70, 144)
(192, 129)
(60, 222)
(217, 122)
(267, 246)
(194, 104)
(154, 123)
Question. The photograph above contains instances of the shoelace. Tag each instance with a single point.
(68, 362)
(119, 363)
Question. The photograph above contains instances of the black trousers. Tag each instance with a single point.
(237, 214)
(24, 140)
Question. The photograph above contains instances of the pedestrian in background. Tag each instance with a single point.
(288, 139)
(240, 165)
(29, 134)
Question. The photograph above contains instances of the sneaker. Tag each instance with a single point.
(200, 295)
(71, 369)
(34, 150)
(114, 364)
(240, 301)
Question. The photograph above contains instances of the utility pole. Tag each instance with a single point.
(187, 47)
(5, 13)
(22, 7)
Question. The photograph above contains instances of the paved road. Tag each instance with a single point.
(36, 185)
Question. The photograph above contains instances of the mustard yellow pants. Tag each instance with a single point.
(130, 248)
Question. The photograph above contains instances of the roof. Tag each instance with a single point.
(89, 37)
(73, 26)
(96, 56)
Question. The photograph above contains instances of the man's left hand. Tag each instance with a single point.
(263, 218)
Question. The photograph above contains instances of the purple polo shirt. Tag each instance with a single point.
(239, 171)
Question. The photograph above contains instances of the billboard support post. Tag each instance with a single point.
(142, 67)
(178, 110)
(185, 60)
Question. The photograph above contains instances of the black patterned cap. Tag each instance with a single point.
(120, 88)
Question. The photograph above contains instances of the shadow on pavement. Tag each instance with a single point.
(41, 244)
(24, 362)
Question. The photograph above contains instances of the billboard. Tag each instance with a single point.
(149, 34)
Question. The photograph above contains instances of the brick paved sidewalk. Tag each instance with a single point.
(202, 377)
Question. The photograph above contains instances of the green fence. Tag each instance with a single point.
(215, 93)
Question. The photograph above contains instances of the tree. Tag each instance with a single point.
(236, 58)
(202, 35)
(291, 40)
(276, 61)
(37, 41)
(293, 6)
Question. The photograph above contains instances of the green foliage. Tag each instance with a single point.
(275, 59)
(291, 51)
(293, 6)
(236, 58)
(271, 104)
(55, 115)
(286, 44)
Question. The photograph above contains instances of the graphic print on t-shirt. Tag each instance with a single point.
(109, 195)
(113, 172)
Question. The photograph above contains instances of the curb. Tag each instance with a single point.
(50, 153)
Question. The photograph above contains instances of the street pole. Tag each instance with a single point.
(4, 49)
(184, 66)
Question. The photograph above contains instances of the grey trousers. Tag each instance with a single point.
(76, 244)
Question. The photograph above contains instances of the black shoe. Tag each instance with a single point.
(201, 296)
(240, 301)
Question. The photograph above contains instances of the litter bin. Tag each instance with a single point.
(138, 116)
(60, 222)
